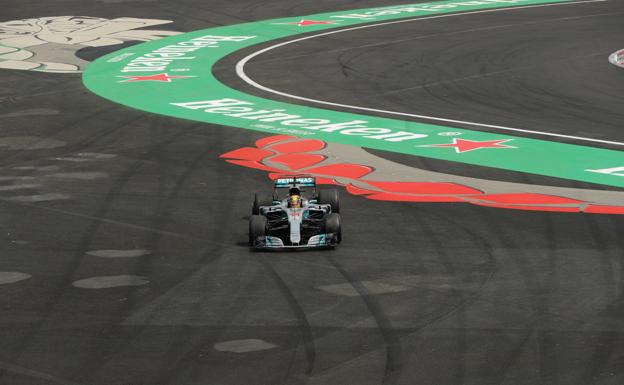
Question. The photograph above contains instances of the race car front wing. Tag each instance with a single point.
(315, 241)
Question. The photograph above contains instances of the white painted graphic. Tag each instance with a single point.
(617, 58)
(618, 171)
(49, 44)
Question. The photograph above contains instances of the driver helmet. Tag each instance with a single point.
(294, 198)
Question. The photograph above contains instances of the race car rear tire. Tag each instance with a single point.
(330, 197)
(333, 225)
(261, 199)
(257, 228)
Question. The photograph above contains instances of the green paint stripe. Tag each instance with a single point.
(172, 55)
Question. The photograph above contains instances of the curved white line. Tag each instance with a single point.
(240, 71)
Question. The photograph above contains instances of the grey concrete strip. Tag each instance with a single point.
(19, 187)
(243, 346)
(372, 288)
(29, 199)
(132, 253)
(29, 143)
(7, 277)
(35, 374)
(31, 112)
(38, 198)
(107, 282)
(84, 175)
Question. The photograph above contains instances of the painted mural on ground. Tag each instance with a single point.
(49, 44)
(372, 177)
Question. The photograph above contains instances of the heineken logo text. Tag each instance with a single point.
(235, 108)
(420, 8)
(159, 59)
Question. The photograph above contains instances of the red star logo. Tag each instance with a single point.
(304, 23)
(151, 78)
(465, 145)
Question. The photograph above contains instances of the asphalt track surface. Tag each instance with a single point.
(416, 294)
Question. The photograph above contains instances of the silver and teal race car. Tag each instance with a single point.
(288, 221)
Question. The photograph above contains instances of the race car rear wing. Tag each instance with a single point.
(295, 181)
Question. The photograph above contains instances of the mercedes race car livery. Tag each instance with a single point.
(294, 221)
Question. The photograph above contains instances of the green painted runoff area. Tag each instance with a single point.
(173, 77)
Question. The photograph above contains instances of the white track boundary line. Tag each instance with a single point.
(240, 71)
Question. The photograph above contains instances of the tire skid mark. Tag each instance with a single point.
(392, 342)
(529, 330)
(84, 245)
(66, 128)
(459, 376)
(153, 238)
(304, 324)
(240, 70)
(547, 351)
(158, 149)
(414, 330)
(605, 346)
(535, 287)
(177, 354)
(75, 263)
(194, 344)
(209, 257)
(429, 233)
(180, 353)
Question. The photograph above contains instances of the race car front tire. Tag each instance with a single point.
(257, 228)
(333, 225)
(330, 197)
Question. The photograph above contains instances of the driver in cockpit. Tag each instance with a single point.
(294, 200)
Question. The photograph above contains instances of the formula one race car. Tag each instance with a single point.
(293, 221)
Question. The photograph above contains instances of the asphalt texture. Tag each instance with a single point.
(416, 294)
